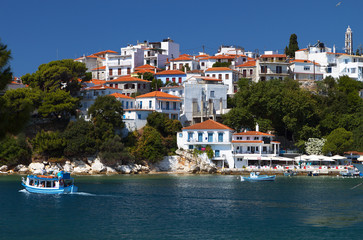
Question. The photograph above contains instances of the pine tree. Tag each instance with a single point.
(293, 46)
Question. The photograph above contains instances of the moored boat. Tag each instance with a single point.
(290, 173)
(62, 183)
(255, 176)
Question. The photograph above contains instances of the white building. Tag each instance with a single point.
(91, 61)
(184, 62)
(130, 85)
(204, 98)
(272, 65)
(174, 76)
(305, 70)
(209, 133)
(228, 76)
(157, 53)
(233, 60)
(160, 102)
(247, 70)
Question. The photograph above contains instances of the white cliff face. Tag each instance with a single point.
(3, 168)
(80, 167)
(98, 167)
(169, 163)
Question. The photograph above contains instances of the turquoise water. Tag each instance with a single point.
(185, 207)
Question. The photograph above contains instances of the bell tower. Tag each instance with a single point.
(349, 41)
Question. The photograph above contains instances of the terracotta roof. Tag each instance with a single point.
(127, 79)
(273, 56)
(303, 61)
(303, 49)
(209, 124)
(100, 68)
(119, 95)
(253, 133)
(171, 72)
(168, 100)
(158, 94)
(146, 66)
(218, 69)
(100, 87)
(248, 64)
(184, 55)
(144, 71)
(182, 58)
(96, 81)
(202, 56)
(223, 57)
(103, 52)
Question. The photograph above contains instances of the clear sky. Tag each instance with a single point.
(40, 31)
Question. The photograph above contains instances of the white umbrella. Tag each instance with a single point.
(360, 158)
(338, 157)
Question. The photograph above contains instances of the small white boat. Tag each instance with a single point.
(255, 176)
(62, 183)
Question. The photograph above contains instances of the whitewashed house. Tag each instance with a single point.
(228, 76)
(233, 60)
(247, 70)
(160, 102)
(209, 133)
(184, 62)
(91, 61)
(272, 65)
(157, 53)
(130, 85)
(174, 76)
(204, 98)
(305, 70)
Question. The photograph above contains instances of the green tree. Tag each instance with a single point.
(60, 74)
(221, 64)
(293, 46)
(14, 150)
(338, 142)
(150, 146)
(80, 141)
(58, 104)
(49, 144)
(5, 70)
(106, 113)
(113, 152)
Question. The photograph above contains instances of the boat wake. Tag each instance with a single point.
(84, 194)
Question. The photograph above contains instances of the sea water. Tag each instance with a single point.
(185, 207)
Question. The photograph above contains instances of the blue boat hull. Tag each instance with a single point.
(69, 189)
(259, 178)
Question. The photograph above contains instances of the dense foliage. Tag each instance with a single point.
(14, 150)
(221, 64)
(288, 110)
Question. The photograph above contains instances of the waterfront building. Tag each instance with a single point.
(209, 133)
(228, 76)
(173, 76)
(130, 85)
(160, 102)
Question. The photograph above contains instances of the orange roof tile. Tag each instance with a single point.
(209, 124)
(218, 69)
(273, 56)
(99, 87)
(253, 133)
(127, 79)
(171, 72)
(103, 52)
(158, 94)
(100, 68)
(246, 141)
(146, 66)
(182, 58)
(144, 71)
(248, 64)
(184, 55)
(209, 78)
(303, 49)
(202, 56)
(119, 95)
(303, 61)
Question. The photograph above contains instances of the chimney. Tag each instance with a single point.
(257, 127)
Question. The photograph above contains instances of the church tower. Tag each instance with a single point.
(349, 41)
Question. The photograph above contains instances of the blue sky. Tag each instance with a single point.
(40, 31)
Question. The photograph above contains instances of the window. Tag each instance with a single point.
(111, 85)
(131, 104)
(128, 70)
(200, 137)
(150, 104)
(244, 74)
(127, 105)
(256, 138)
(167, 80)
(119, 71)
(278, 69)
(203, 64)
(227, 76)
(190, 146)
(116, 85)
(213, 75)
(352, 70)
(220, 137)
(248, 138)
(174, 105)
(110, 72)
(174, 66)
(210, 137)
(140, 104)
(180, 80)
(180, 65)
(138, 116)
(138, 86)
(190, 136)
(306, 68)
(216, 153)
(122, 104)
(263, 69)
(220, 76)
(251, 71)
(173, 79)
(167, 105)
(346, 61)
(211, 93)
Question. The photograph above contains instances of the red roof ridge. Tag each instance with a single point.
(209, 124)
(120, 95)
(218, 69)
(158, 94)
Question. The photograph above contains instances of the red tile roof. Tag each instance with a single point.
(182, 58)
(303, 49)
(157, 94)
(253, 133)
(146, 66)
(246, 141)
(119, 95)
(185, 55)
(171, 72)
(100, 68)
(144, 71)
(104, 52)
(100, 87)
(202, 56)
(303, 61)
(209, 78)
(273, 56)
(248, 64)
(127, 79)
(209, 124)
(218, 69)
